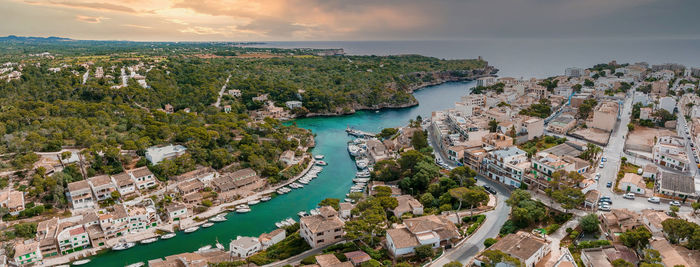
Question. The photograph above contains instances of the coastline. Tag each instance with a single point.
(488, 71)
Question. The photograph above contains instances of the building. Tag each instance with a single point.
(323, 229)
(124, 183)
(653, 220)
(274, 237)
(244, 246)
(293, 104)
(619, 221)
(376, 150)
(604, 256)
(102, 187)
(143, 177)
(669, 151)
(650, 171)
(12, 200)
(667, 103)
(72, 238)
(507, 165)
(674, 255)
(676, 185)
(287, 157)
(330, 260)
(156, 154)
(605, 116)
(80, 195)
(430, 230)
(188, 187)
(407, 204)
(27, 254)
(561, 124)
(574, 72)
(646, 113)
(632, 183)
(234, 93)
(176, 212)
(497, 140)
(485, 81)
(238, 179)
(46, 232)
(357, 257)
(527, 248)
(546, 163)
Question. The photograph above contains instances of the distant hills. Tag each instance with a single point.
(34, 39)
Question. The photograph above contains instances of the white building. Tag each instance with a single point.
(485, 81)
(143, 177)
(156, 154)
(667, 103)
(293, 104)
(669, 151)
(274, 237)
(574, 72)
(80, 195)
(26, 254)
(176, 212)
(244, 246)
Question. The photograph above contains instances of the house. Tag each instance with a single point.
(357, 257)
(193, 198)
(345, 211)
(604, 256)
(561, 124)
(591, 199)
(605, 116)
(293, 104)
(287, 157)
(652, 219)
(102, 187)
(176, 212)
(156, 154)
(670, 151)
(650, 171)
(12, 200)
(169, 108)
(377, 151)
(144, 178)
(46, 235)
(673, 255)
(632, 183)
(27, 253)
(124, 183)
(240, 178)
(330, 260)
(234, 93)
(203, 174)
(676, 185)
(227, 108)
(323, 229)
(188, 187)
(619, 221)
(526, 247)
(646, 113)
(140, 218)
(244, 246)
(80, 195)
(271, 238)
(407, 204)
(72, 238)
(426, 230)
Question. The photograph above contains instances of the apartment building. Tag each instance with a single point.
(156, 154)
(72, 238)
(669, 151)
(323, 229)
(143, 178)
(545, 164)
(605, 116)
(80, 195)
(124, 183)
(102, 187)
(507, 165)
(27, 253)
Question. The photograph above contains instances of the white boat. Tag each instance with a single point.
(302, 213)
(348, 200)
(191, 229)
(80, 262)
(361, 180)
(314, 212)
(291, 221)
(265, 198)
(242, 210)
(204, 248)
(220, 246)
(279, 224)
(353, 149)
(280, 191)
(123, 246)
(138, 264)
(356, 190)
(302, 181)
(148, 241)
(321, 163)
(298, 185)
(242, 206)
(319, 157)
(362, 163)
(218, 218)
(362, 174)
(207, 225)
(168, 236)
(253, 202)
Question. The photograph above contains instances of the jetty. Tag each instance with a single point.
(358, 133)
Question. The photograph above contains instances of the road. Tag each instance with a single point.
(221, 93)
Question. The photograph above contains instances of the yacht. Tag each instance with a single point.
(354, 150)
(207, 225)
(243, 210)
(191, 229)
(348, 200)
(265, 198)
(291, 221)
(319, 157)
(362, 163)
(80, 262)
(218, 218)
(148, 241)
(302, 213)
(321, 163)
(168, 236)
(280, 191)
(302, 181)
(242, 206)
(279, 224)
(363, 174)
(220, 246)
(314, 212)
(361, 180)
(204, 248)
(123, 246)
(253, 202)
(298, 185)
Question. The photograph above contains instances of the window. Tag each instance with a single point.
(319, 241)
(319, 234)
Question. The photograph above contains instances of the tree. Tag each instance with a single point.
(493, 126)
(630, 127)
(588, 83)
(621, 263)
(427, 199)
(489, 242)
(419, 140)
(453, 264)
(695, 206)
(464, 175)
(424, 251)
(589, 223)
(333, 202)
(677, 229)
(495, 256)
(636, 238)
(569, 197)
(387, 133)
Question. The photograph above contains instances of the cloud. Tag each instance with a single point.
(85, 5)
(89, 19)
(137, 26)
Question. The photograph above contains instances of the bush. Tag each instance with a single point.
(508, 228)
(561, 218)
(424, 251)
(489, 242)
(573, 234)
(552, 228)
(309, 260)
(371, 263)
(592, 244)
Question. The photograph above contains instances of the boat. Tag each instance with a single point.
(218, 218)
(242, 206)
(244, 210)
(253, 202)
(361, 180)
(148, 241)
(204, 248)
(298, 185)
(168, 236)
(314, 212)
(279, 224)
(321, 163)
(191, 229)
(80, 262)
(291, 221)
(265, 198)
(349, 200)
(302, 181)
(362, 163)
(220, 246)
(356, 190)
(207, 225)
(302, 213)
(138, 264)
(319, 157)
(353, 150)
(123, 246)
(280, 191)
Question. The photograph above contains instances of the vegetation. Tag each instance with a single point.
(492, 257)
(636, 238)
(525, 211)
(589, 223)
(585, 109)
(498, 88)
(294, 244)
(489, 242)
(540, 143)
(542, 109)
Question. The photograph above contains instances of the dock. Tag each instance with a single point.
(358, 133)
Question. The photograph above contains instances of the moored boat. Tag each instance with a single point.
(138, 264)
(265, 198)
(321, 163)
(220, 246)
(148, 241)
(123, 246)
(319, 157)
(168, 236)
(253, 202)
(204, 248)
(207, 225)
(218, 218)
(243, 210)
(80, 262)
(302, 213)
(191, 229)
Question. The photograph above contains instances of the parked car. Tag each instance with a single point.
(604, 208)
(654, 200)
(608, 185)
(489, 189)
(601, 165)
(629, 196)
(675, 203)
(603, 159)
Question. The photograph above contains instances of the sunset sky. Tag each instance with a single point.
(299, 20)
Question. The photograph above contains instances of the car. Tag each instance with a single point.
(692, 145)
(675, 203)
(604, 208)
(603, 159)
(489, 189)
(654, 200)
(601, 165)
(608, 185)
(629, 196)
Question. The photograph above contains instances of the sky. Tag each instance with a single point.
(349, 20)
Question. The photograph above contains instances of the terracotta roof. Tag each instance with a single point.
(441, 225)
(122, 179)
(77, 231)
(141, 172)
(318, 223)
(193, 174)
(330, 260)
(521, 245)
(245, 242)
(174, 207)
(357, 257)
(406, 204)
(79, 185)
(402, 238)
(22, 249)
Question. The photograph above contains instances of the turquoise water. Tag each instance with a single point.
(334, 181)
